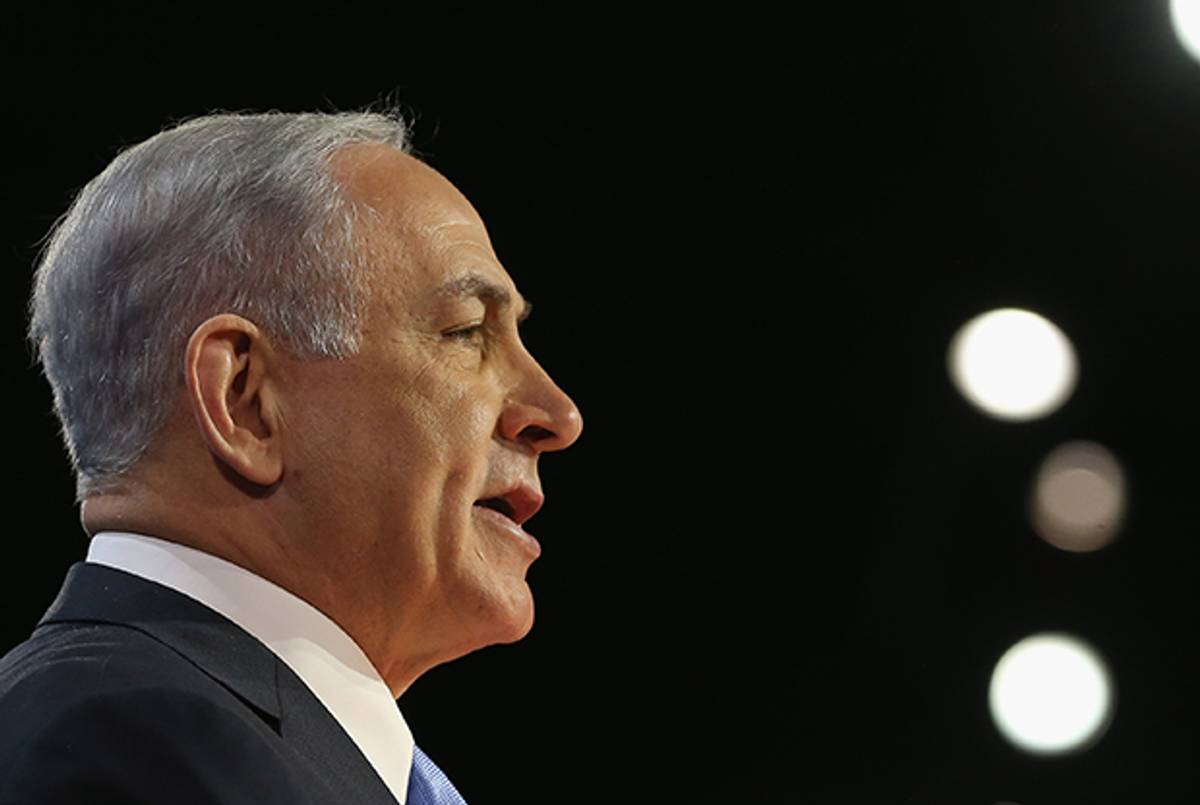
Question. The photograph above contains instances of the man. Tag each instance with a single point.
(306, 436)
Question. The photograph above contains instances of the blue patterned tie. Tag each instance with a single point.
(427, 785)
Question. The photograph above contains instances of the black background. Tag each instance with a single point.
(785, 555)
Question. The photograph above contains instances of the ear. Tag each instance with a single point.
(231, 388)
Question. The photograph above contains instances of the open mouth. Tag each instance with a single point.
(517, 503)
(499, 505)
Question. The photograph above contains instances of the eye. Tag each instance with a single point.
(472, 333)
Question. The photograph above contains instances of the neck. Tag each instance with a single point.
(246, 535)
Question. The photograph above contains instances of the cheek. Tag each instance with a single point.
(479, 422)
(443, 432)
(459, 422)
(444, 458)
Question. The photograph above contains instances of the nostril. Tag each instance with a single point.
(536, 433)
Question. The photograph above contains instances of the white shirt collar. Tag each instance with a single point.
(327, 659)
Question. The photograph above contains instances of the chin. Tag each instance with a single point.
(515, 620)
(525, 627)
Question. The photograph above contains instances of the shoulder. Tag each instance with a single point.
(106, 708)
(66, 664)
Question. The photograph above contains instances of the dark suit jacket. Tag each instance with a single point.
(130, 692)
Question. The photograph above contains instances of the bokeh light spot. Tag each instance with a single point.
(1013, 364)
(1051, 694)
(1185, 16)
(1079, 497)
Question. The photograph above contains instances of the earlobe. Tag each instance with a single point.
(229, 383)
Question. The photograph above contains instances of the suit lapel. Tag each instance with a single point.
(231, 656)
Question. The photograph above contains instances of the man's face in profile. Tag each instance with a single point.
(418, 456)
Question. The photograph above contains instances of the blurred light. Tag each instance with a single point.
(1185, 16)
(1013, 364)
(1078, 501)
(1051, 694)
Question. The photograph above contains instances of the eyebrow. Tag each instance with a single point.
(479, 287)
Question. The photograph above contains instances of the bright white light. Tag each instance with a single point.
(1078, 500)
(1013, 364)
(1051, 694)
(1185, 16)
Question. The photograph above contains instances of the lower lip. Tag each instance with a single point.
(510, 527)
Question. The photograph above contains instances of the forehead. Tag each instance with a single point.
(421, 225)
(400, 188)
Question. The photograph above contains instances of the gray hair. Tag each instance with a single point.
(228, 213)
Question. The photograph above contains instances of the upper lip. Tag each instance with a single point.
(523, 500)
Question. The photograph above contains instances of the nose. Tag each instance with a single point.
(539, 416)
